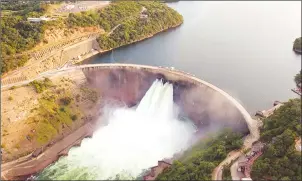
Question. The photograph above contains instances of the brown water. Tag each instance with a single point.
(244, 48)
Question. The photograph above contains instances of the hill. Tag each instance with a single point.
(124, 22)
(280, 160)
(198, 163)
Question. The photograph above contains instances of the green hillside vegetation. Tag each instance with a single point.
(133, 27)
(280, 160)
(54, 113)
(199, 162)
(297, 44)
(298, 78)
(19, 35)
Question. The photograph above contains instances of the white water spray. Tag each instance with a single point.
(133, 140)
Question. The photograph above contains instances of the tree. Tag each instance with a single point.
(298, 79)
(297, 43)
(280, 160)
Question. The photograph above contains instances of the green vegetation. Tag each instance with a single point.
(12, 88)
(74, 117)
(280, 160)
(19, 35)
(297, 44)
(199, 162)
(298, 79)
(132, 27)
(65, 101)
(41, 86)
(226, 173)
(127, 14)
(10, 98)
(52, 117)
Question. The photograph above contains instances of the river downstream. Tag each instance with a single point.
(244, 48)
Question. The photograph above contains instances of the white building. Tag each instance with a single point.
(36, 20)
(246, 179)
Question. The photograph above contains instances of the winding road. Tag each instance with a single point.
(233, 155)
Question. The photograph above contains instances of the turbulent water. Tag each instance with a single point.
(133, 140)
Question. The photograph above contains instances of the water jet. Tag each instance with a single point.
(207, 106)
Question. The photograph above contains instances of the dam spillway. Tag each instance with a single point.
(209, 107)
(133, 140)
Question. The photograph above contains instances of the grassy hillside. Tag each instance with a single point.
(199, 162)
(280, 160)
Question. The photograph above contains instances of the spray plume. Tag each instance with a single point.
(132, 140)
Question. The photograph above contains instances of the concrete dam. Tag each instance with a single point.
(202, 102)
(209, 107)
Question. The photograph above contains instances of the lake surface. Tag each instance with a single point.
(244, 48)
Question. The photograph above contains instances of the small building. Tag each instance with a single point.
(37, 20)
(156, 170)
(247, 178)
(143, 16)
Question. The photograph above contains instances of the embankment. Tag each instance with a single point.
(24, 167)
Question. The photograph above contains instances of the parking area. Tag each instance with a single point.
(81, 6)
(242, 167)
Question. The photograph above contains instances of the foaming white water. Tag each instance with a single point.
(133, 140)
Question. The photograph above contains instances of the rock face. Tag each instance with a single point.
(206, 105)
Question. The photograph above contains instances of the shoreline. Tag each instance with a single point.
(140, 39)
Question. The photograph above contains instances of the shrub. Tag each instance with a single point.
(65, 100)
(40, 86)
(297, 43)
(74, 117)
(12, 88)
(10, 98)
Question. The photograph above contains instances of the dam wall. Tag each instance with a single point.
(208, 106)
(79, 49)
(205, 104)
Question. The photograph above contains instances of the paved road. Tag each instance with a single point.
(216, 175)
(234, 173)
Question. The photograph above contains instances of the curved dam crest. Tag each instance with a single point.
(205, 104)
